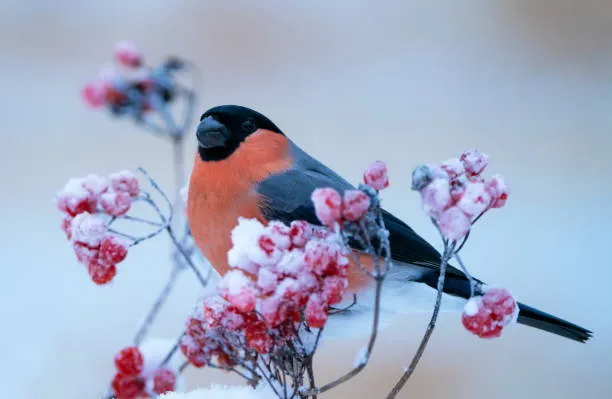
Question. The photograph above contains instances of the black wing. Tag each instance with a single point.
(286, 197)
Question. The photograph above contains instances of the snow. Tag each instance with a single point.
(224, 392)
(474, 161)
(234, 282)
(474, 200)
(471, 306)
(362, 357)
(246, 253)
(88, 229)
(436, 196)
(154, 351)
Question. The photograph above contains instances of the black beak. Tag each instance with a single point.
(211, 133)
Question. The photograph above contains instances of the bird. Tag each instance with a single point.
(247, 167)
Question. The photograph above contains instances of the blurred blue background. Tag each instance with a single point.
(529, 82)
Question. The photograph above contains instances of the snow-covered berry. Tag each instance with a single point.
(316, 311)
(116, 203)
(84, 253)
(436, 197)
(113, 249)
(238, 290)
(487, 315)
(88, 229)
(328, 205)
(453, 167)
(474, 161)
(129, 361)
(454, 224)
(475, 199)
(101, 272)
(94, 93)
(75, 199)
(164, 380)
(125, 181)
(498, 190)
(128, 386)
(376, 175)
(355, 205)
(127, 54)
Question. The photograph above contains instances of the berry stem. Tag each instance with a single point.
(157, 305)
(448, 253)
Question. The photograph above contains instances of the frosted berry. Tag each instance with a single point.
(129, 361)
(113, 249)
(116, 203)
(328, 205)
(101, 273)
(376, 175)
(355, 205)
(164, 380)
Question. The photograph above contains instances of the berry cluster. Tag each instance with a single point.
(455, 194)
(282, 275)
(133, 379)
(129, 87)
(332, 208)
(87, 203)
(487, 315)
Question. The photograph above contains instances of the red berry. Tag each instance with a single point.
(94, 93)
(194, 352)
(498, 190)
(84, 253)
(127, 54)
(237, 289)
(116, 203)
(129, 361)
(454, 224)
(129, 386)
(299, 233)
(88, 229)
(75, 199)
(474, 161)
(257, 337)
(333, 289)
(453, 167)
(487, 315)
(316, 311)
(328, 205)
(95, 185)
(376, 175)
(113, 249)
(164, 380)
(125, 181)
(101, 273)
(355, 206)
(324, 257)
(266, 244)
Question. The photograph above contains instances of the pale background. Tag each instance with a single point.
(528, 82)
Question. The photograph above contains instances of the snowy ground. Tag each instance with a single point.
(408, 82)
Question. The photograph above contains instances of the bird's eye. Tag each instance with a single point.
(248, 126)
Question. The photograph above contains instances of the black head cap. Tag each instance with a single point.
(223, 128)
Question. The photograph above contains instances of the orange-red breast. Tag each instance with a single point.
(246, 166)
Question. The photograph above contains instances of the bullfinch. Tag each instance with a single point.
(247, 167)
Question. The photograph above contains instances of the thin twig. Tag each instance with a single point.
(357, 369)
(140, 220)
(157, 305)
(173, 350)
(467, 273)
(188, 259)
(448, 250)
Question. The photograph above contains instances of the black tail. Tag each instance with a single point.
(543, 321)
(460, 286)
